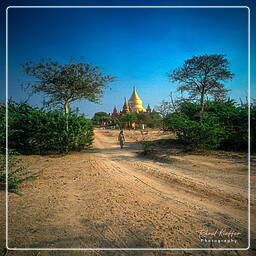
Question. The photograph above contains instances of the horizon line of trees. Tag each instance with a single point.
(128, 120)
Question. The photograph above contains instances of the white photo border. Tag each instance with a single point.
(130, 249)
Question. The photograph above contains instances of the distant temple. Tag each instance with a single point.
(134, 104)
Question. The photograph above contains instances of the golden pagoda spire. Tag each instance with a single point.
(135, 102)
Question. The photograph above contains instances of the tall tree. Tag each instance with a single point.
(66, 83)
(203, 75)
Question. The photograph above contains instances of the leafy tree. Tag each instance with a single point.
(203, 75)
(66, 83)
(101, 117)
(129, 118)
(142, 118)
(154, 120)
(151, 120)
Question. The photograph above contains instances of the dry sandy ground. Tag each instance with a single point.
(108, 197)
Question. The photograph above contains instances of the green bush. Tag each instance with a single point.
(233, 118)
(190, 109)
(17, 172)
(206, 134)
(35, 131)
(80, 132)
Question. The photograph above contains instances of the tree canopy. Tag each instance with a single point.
(129, 117)
(66, 83)
(101, 117)
(203, 75)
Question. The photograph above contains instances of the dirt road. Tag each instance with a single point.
(108, 197)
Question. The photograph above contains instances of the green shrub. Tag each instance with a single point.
(206, 134)
(190, 109)
(17, 172)
(35, 131)
(233, 118)
(236, 125)
(80, 132)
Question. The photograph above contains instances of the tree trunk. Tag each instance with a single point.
(202, 106)
(66, 108)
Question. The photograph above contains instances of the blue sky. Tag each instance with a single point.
(139, 46)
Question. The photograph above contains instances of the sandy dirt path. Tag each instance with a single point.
(108, 197)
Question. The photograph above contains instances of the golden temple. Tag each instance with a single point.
(134, 104)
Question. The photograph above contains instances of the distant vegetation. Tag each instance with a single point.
(126, 120)
(149, 120)
(100, 118)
